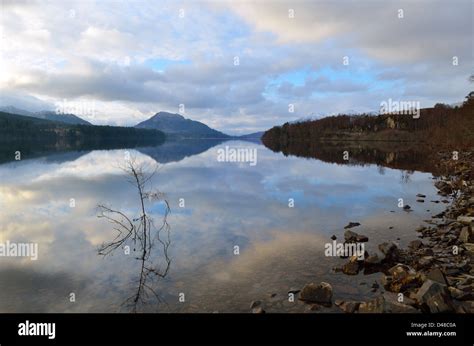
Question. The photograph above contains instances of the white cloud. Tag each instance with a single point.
(111, 51)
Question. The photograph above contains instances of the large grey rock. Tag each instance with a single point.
(317, 293)
(435, 296)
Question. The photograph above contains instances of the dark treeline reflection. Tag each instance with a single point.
(41, 148)
(172, 150)
(407, 156)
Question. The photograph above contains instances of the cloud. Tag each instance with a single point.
(393, 31)
(108, 52)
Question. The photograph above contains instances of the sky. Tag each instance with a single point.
(238, 66)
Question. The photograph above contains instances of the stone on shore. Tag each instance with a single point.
(351, 268)
(294, 290)
(465, 219)
(317, 293)
(444, 187)
(466, 235)
(349, 307)
(386, 303)
(437, 275)
(353, 237)
(258, 310)
(255, 304)
(434, 296)
(352, 224)
(415, 244)
(390, 250)
(372, 260)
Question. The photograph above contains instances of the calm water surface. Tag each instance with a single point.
(226, 205)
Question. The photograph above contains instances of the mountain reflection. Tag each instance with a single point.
(173, 150)
(178, 149)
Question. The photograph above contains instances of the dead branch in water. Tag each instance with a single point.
(141, 232)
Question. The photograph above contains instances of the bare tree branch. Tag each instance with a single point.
(141, 230)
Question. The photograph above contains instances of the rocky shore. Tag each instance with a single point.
(434, 274)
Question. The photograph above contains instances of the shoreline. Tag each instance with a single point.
(434, 274)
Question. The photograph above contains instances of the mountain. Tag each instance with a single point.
(178, 126)
(47, 115)
(65, 118)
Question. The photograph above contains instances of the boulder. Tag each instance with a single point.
(415, 244)
(401, 271)
(403, 278)
(351, 268)
(444, 187)
(434, 296)
(372, 260)
(353, 237)
(390, 250)
(315, 293)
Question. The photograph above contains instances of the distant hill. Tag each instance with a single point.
(16, 128)
(178, 126)
(255, 135)
(47, 115)
(441, 126)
